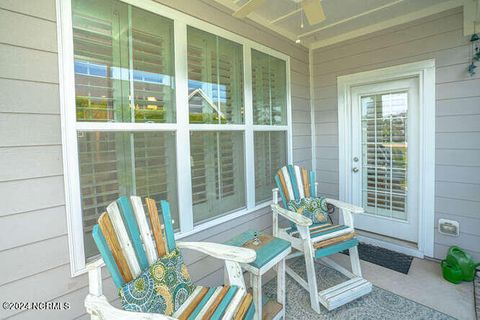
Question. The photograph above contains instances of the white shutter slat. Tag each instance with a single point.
(384, 153)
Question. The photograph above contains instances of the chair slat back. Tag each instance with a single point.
(124, 237)
(295, 183)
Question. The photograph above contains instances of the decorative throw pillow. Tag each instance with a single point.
(313, 208)
(162, 288)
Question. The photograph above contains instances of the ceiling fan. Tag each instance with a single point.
(312, 8)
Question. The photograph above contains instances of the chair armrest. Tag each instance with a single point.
(345, 206)
(99, 306)
(221, 251)
(296, 218)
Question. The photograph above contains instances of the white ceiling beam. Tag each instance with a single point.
(389, 23)
(285, 16)
(349, 18)
(247, 8)
(261, 21)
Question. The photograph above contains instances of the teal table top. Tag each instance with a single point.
(265, 252)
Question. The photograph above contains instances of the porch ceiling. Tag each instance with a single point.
(345, 19)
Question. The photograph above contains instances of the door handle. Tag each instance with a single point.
(355, 169)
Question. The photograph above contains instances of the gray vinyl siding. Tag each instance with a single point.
(457, 146)
(34, 252)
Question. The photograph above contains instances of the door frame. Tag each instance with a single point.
(425, 71)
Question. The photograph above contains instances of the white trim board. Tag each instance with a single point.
(425, 71)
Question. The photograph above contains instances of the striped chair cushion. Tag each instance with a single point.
(227, 302)
(324, 232)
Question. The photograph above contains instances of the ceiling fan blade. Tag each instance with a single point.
(247, 8)
(313, 11)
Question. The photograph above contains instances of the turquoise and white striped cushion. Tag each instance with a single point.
(320, 232)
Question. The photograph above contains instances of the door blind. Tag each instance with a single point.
(384, 145)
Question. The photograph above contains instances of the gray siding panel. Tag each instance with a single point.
(14, 99)
(33, 226)
(457, 119)
(18, 29)
(30, 162)
(44, 9)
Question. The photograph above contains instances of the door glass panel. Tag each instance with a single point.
(384, 152)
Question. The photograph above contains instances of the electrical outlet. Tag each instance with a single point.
(449, 227)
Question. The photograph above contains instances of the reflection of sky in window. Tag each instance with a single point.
(101, 70)
(210, 89)
(394, 104)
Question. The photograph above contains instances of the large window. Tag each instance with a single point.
(160, 104)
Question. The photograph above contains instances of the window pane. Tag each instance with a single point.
(385, 153)
(123, 63)
(116, 163)
(269, 86)
(270, 155)
(215, 73)
(218, 173)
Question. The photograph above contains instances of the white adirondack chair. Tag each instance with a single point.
(318, 241)
(128, 245)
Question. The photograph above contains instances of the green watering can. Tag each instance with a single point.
(458, 266)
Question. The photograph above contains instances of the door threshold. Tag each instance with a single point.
(394, 244)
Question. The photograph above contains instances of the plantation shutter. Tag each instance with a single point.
(153, 69)
(384, 143)
(215, 71)
(269, 89)
(218, 176)
(93, 35)
(270, 156)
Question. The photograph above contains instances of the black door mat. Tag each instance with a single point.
(383, 257)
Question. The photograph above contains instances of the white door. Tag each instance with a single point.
(385, 157)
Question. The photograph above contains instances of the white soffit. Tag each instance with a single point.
(345, 19)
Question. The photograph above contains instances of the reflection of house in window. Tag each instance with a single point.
(202, 107)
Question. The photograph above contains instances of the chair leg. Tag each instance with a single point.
(355, 261)
(257, 295)
(311, 277)
(281, 285)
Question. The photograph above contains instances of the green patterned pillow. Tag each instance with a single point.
(162, 288)
(313, 208)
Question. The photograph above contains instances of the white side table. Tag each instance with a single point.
(271, 252)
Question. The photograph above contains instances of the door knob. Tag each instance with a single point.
(355, 159)
(355, 169)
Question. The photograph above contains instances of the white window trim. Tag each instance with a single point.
(425, 71)
(181, 127)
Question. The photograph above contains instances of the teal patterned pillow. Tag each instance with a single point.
(313, 208)
(162, 288)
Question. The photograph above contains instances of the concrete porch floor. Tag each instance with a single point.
(423, 284)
